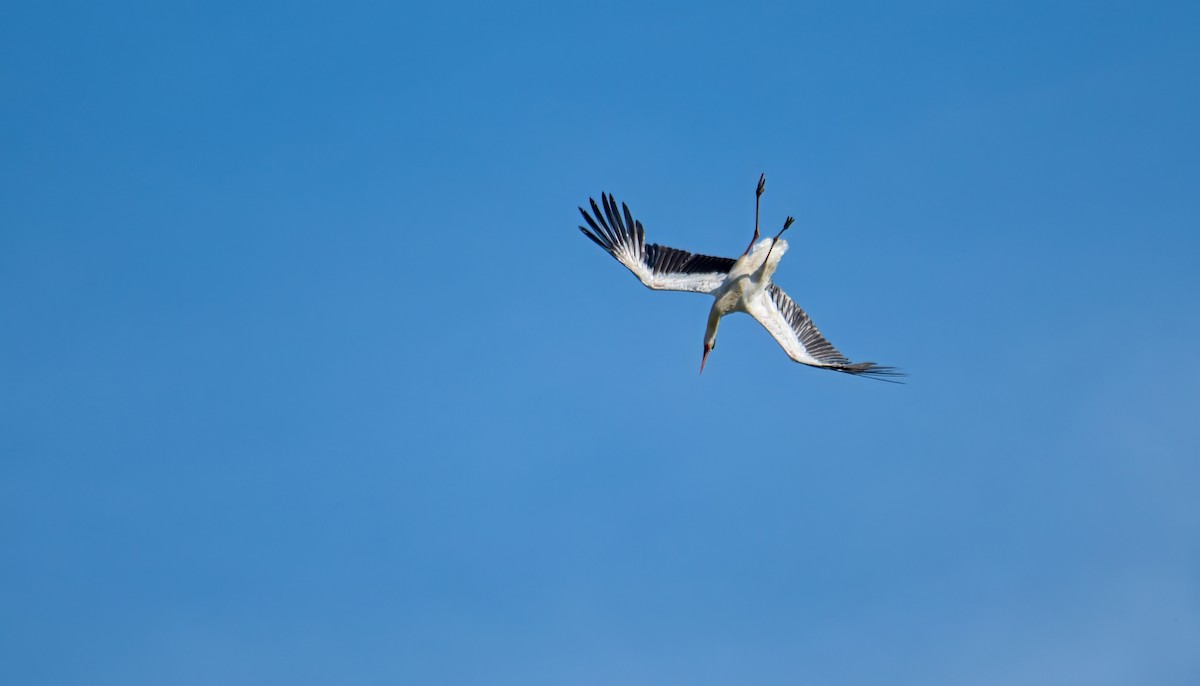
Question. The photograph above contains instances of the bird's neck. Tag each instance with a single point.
(714, 320)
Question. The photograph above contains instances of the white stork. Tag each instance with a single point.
(741, 285)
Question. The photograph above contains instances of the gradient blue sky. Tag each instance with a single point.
(307, 376)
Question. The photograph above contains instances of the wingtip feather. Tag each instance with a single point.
(871, 370)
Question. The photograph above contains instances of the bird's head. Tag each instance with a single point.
(707, 349)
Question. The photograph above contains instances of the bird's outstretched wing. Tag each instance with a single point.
(801, 340)
(657, 266)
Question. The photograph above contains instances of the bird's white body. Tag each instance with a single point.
(745, 285)
(737, 285)
(749, 277)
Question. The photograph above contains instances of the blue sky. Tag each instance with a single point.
(307, 376)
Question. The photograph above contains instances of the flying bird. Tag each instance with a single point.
(738, 285)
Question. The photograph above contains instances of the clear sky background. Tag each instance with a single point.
(308, 377)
